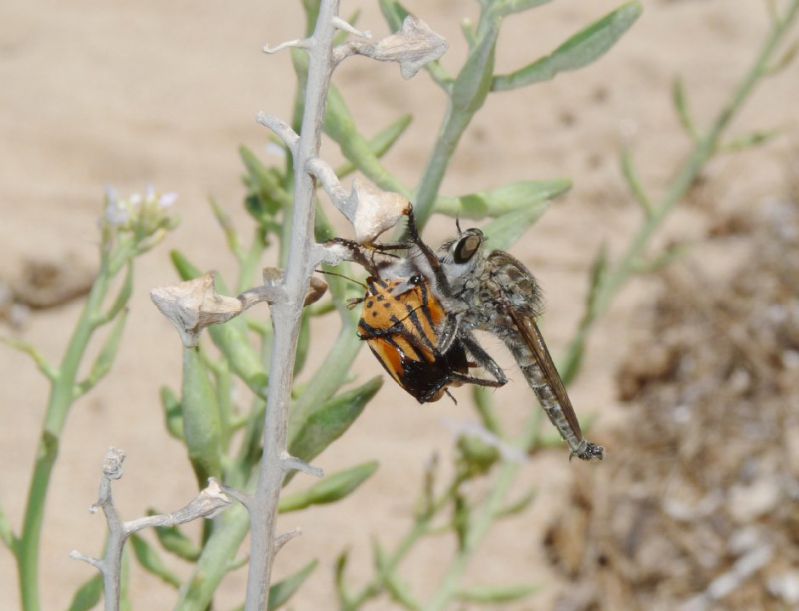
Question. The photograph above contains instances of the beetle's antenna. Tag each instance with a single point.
(361, 284)
(458, 225)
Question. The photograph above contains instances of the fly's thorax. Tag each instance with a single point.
(514, 281)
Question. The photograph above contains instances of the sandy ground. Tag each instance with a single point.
(95, 94)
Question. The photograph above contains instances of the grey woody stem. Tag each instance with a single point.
(286, 316)
(207, 504)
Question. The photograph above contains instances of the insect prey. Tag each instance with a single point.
(411, 334)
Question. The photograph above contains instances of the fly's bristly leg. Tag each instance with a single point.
(447, 334)
(483, 359)
(429, 255)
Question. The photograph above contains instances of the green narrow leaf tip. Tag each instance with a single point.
(752, 140)
(505, 199)
(173, 413)
(88, 595)
(151, 561)
(574, 358)
(341, 581)
(185, 268)
(202, 424)
(282, 591)
(329, 490)
(7, 535)
(394, 13)
(326, 424)
(507, 229)
(583, 48)
(630, 175)
(680, 101)
(517, 6)
(175, 542)
(497, 594)
(519, 506)
(381, 143)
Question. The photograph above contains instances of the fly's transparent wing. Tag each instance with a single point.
(521, 301)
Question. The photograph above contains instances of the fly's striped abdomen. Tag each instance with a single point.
(548, 398)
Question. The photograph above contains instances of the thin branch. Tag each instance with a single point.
(344, 26)
(50, 372)
(297, 43)
(281, 129)
(208, 503)
(281, 540)
(292, 463)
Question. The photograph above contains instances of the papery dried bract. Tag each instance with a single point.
(374, 210)
(412, 47)
(193, 305)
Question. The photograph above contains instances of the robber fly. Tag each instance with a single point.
(494, 292)
(404, 323)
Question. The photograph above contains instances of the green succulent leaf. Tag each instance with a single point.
(329, 490)
(340, 126)
(381, 143)
(88, 595)
(151, 561)
(105, 359)
(327, 423)
(173, 412)
(226, 224)
(493, 595)
(578, 51)
(752, 140)
(341, 582)
(518, 6)
(265, 184)
(574, 357)
(519, 506)
(303, 342)
(496, 202)
(122, 298)
(473, 83)
(202, 424)
(634, 182)
(174, 541)
(680, 101)
(185, 268)
(507, 229)
(282, 591)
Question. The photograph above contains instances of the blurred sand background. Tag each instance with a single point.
(95, 94)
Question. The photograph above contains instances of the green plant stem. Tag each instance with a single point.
(459, 115)
(484, 519)
(420, 528)
(706, 146)
(58, 405)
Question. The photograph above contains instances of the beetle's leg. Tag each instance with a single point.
(364, 254)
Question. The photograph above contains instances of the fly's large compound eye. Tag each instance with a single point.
(466, 247)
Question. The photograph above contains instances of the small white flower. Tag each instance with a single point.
(167, 200)
(116, 213)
